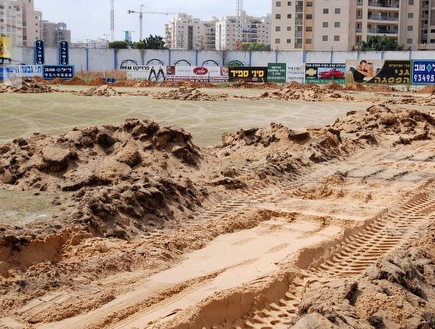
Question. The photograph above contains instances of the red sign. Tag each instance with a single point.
(200, 70)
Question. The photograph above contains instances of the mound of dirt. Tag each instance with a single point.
(401, 126)
(103, 90)
(333, 86)
(97, 82)
(23, 86)
(75, 82)
(310, 92)
(430, 89)
(185, 94)
(127, 179)
(139, 196)
(396, 292)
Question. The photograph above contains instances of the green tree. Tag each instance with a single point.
(154, 42)
(118, 45)
(255, 46)
(378, 43)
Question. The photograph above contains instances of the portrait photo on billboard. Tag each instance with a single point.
(362, 70)
(378, 71)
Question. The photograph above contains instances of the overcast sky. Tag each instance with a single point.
(90, 19)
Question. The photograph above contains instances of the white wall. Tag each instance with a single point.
(101, 60)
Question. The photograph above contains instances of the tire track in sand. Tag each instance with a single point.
(350, 258)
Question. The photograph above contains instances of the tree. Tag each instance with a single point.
(378, 43)
(255, 46)
(118, 45)
(154, 42)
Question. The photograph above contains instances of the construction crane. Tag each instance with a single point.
(239, 25)
(112, 20)
(141, 12)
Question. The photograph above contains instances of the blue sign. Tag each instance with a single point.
(39, 52)
(423, 72)
(58, 71)
(63, 53)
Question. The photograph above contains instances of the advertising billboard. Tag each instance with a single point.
(276, 72)
(197, 73)
(324, 72)
(378, 71)
(147, 72)
(248, 74)
(423, 72)
(5, 47)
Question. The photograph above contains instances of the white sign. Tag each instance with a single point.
(147, 72)
(296, 72)
(197, 73)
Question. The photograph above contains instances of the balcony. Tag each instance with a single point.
(381, 30)
(383, 17)
(385, 4)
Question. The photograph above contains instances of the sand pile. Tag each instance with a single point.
(127, 179)
(396, 292)
(23, 86)
(185, 94)
(75, 82)
(140, 196)
(382, 122)
(310, 92)
(103, 90)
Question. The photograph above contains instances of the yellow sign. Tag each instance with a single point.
(5, 47)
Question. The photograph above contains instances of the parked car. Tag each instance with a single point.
(331, 74)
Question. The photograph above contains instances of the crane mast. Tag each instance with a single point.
(112, 20)
(239, 24)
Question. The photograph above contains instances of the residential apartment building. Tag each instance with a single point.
(342, 25)
(53, 33)
(187, 33)
(254, 29)
(20, 22)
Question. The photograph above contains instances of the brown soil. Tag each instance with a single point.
(324, 227)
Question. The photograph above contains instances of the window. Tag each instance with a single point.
(410, 15)
(337, 11)
(325, 24)
(289, 3)
(278, 16)
(289, 16)
(411, 2)
(308, 41)
(278, 3)
(326, 10)
(336, 24)
(336, 38)
(409, 41)
(289, 28)
(410, 28)
(324, 38)
(277, 28)
(289, 40)
(309, 3)
(309, 29)
(277, 41)
(309, 16)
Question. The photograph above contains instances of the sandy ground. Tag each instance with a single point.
(324, 227)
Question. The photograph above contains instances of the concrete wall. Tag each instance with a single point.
(101, 60)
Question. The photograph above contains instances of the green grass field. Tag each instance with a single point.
(21, 115)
